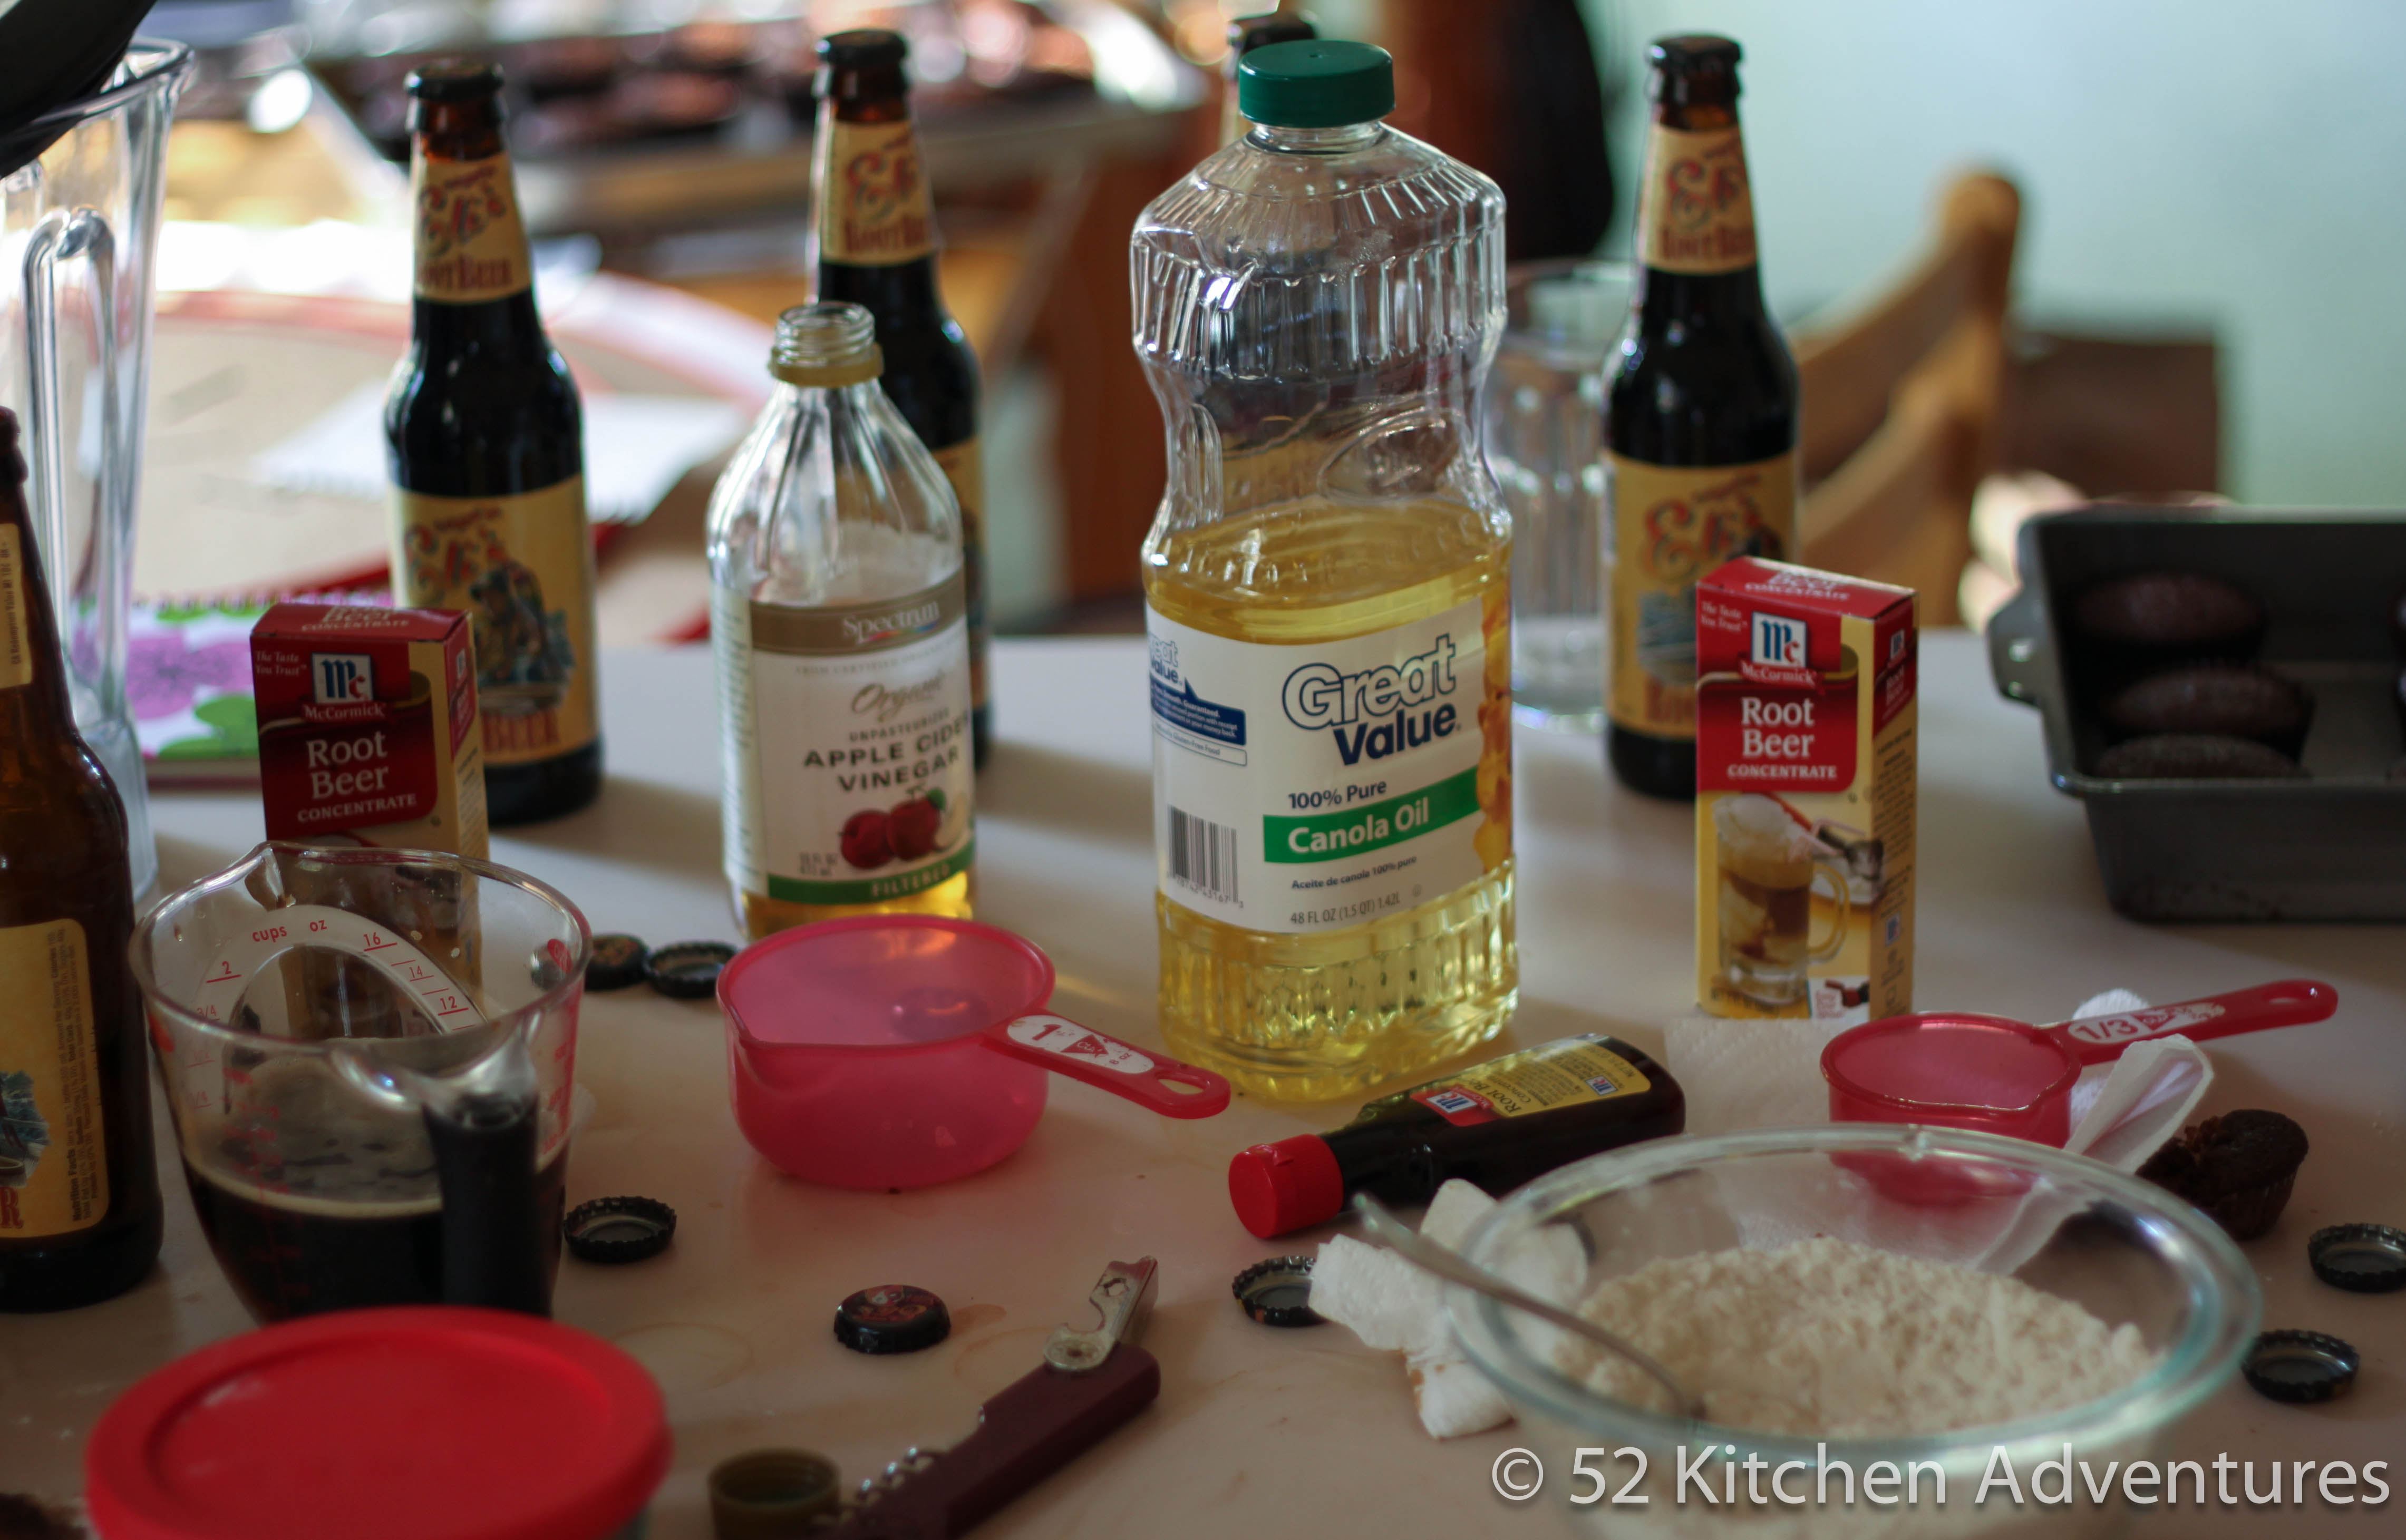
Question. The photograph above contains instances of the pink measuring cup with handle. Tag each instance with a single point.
(1997, 1076)
(906, 1049)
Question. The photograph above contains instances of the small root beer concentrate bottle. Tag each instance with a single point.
(875, 226)
(1699, 426)
(487, 447)
(79, 1192)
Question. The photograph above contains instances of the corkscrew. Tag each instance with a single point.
(1090, 1382)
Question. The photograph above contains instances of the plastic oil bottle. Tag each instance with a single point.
(1327, 589)
(840, 628)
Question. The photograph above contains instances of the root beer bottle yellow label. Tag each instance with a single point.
(1671, 524)
(472, 245)
(873, 195)
(1697, 213)
(522, 568)
(53, 1164)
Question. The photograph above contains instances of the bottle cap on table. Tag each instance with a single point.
(2364, 1259)
(616, 962)
(1277, 1292)
(689, 970)
(1321, 84)
(764, 1494)
(892, 1318)
(1285, 1186)
(2301, 1367)
(615, 1230)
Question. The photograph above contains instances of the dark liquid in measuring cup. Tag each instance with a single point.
(292, 1255)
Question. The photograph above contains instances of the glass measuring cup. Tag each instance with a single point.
(906, 1049)
(369, 1055)
(1999, 1076)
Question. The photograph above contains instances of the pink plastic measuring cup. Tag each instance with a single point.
(1999, 1076)
(905, 1050)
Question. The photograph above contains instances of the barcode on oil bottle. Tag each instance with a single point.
(1203, 855)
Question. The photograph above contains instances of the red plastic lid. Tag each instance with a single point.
(1287, 1185)
(420, 1422)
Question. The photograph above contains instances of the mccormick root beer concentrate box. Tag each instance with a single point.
(1805, 794)
(367, 728)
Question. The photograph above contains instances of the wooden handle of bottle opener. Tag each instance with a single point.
(1042, 1421)
(2291, 1002)
(1169, 1087)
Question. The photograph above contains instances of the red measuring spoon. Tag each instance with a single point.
(1999, 1076)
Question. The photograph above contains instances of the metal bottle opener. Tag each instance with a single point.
(1089, 1384)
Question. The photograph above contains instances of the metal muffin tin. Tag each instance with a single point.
(2330, 847)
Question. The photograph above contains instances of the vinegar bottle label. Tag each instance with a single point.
(1671, 524)
(521, 567)
(471, 244)
(1695, 207)
(53, 1164)
(848, 778)
(873, 195)
(1302, 788)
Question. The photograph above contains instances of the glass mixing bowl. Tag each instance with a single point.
(2126, 1250)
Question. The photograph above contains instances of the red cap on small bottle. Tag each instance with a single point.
(1287, 1185)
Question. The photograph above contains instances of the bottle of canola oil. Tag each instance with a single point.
(1327, 589)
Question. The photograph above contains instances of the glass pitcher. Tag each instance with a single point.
(370, 1056)
(79, 223)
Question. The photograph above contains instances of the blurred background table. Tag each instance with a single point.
(1258, 1432)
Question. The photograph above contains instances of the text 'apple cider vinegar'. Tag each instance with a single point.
(839, 626)
(1327, 589)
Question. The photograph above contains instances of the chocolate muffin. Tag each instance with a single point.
(2238, 1168)
(2196, 756)
(2216, 698)
(2170, 616)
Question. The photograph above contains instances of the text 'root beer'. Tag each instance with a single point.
(1806, 729)
(368, 727)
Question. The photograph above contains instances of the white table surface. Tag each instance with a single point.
(1258, 1432)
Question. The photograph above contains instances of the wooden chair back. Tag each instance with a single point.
(1900, 405)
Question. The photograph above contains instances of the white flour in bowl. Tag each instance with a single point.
(1827, 1338)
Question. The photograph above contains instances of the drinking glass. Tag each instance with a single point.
(1545, 447)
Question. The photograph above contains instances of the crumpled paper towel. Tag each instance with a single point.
(1739, 1073)
(1394, 1306)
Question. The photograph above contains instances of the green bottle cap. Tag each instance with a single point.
(1320, 84)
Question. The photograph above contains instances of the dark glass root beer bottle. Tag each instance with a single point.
(1700, 425)
(488, 456)
(875, 227)
(79, 1208)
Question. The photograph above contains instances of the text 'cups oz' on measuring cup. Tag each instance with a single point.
(1999, 1076)
(905, 1050)
(388, 1424)
(369, 1055)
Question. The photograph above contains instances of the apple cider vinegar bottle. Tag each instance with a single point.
(840, 627)
(1327, 587)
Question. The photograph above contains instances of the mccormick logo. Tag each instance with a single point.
(341, 679)
(1778, 641)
